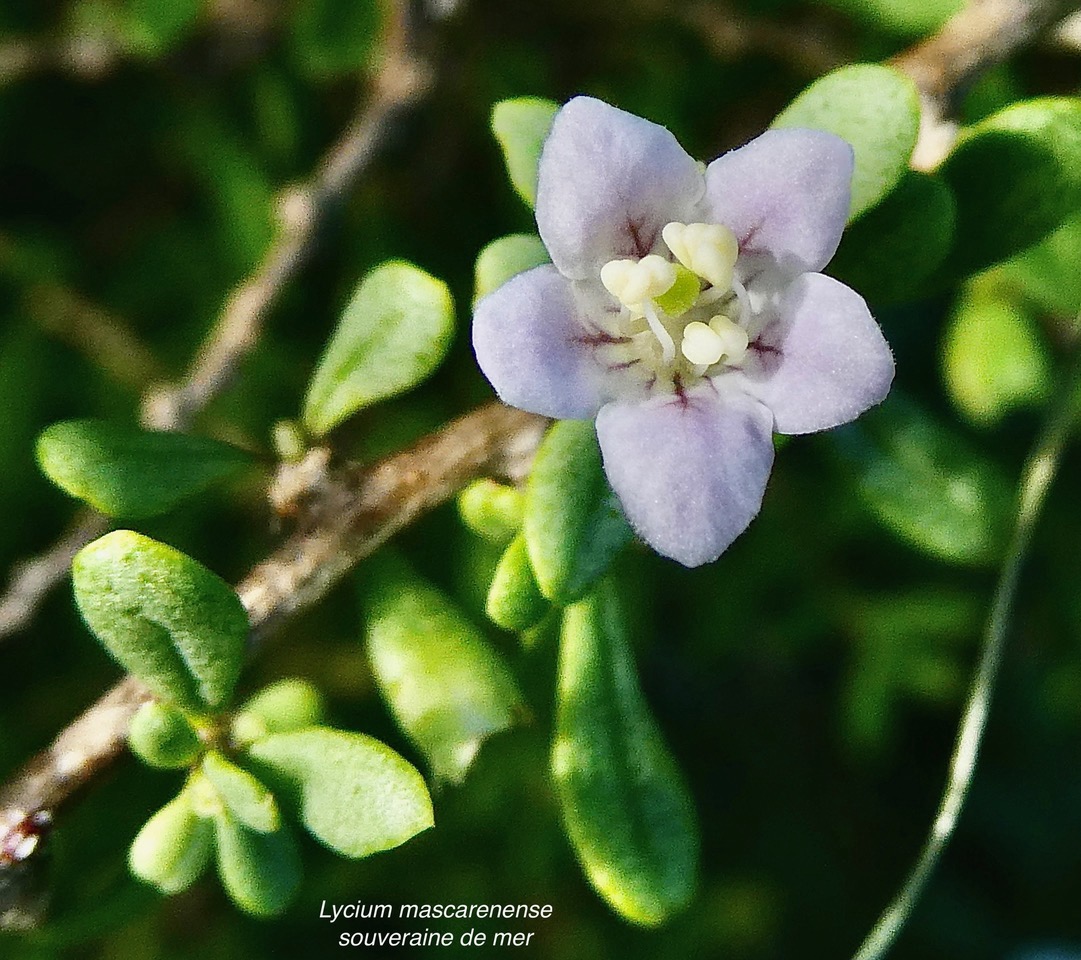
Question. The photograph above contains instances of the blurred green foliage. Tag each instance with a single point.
(807, 684)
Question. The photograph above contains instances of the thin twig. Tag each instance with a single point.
(402, 79)
(1036, 479)
(352, 511)
(982, 34)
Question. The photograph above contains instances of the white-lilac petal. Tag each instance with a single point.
(528, 336)
(689, 471)
(785, 194)
(822, 361)
(607, 183)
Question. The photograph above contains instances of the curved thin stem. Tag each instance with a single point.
(1036, 479)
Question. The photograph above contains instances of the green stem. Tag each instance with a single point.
(1036, 478)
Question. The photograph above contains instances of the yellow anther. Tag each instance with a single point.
(635, 282)
(701, 345)
(734, 336)
(709, 249)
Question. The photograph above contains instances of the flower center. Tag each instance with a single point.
(695, 302)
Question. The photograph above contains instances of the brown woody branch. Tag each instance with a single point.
(401, 80)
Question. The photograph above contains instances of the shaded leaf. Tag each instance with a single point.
(353, 793)
(925, 483)
(514, 601)
(331, 37)
(521, 126)
(152, 28)
(1048, 272)
(447, 686)
(393, 334)
(892, 250)
(1016, 177)
(573, 525)
(126, 472)
(625, 805)
(260, 871)
(164, 617)
(877, 110)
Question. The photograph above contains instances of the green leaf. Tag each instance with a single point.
(905, 17)
(161, 736)
(926, 484)
(492, 510)
(891, 252)
(447, 686)
(353, 793)
(173, 848)
(331, 37)
(627, 810)
(1047, 272)
(877, 110)
(152, 28)
(260, 871)
(505, 258)
(393, 334)
(242, 794)
(994, 359)
(280, 708)
(521, 126)
(514, 599)
(126, 472)
(573, 525)
(164, 617)
(1016, 177)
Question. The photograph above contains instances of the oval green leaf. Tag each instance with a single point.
(505, 258)
(393, 334)
(353, 793)
(1016, 177)
(627, 810)
(573, 525)
(242, 794)
(515, 602)
(521, 126)
(173, 848)
(126, 472)
(161, 736)
(926, 484)
(994, 359)
(260, 871)
(877, 110)
(447, 686)
(164, 617)
(280, 708)
(492, 510)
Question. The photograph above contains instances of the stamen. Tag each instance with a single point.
(668, 345)
(701, 345)
(635, 282)
(744, 300)
(733, 336)
(709, 249)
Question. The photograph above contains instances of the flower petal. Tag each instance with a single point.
(690, 472)
(822, 361)
(527, 336)
(786, 193)
(608, 182)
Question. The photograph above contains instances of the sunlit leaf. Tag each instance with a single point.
(173, 848)
(505, 258)
(521, 126)
(492, 510)
(514, 601)
(126, 472)
(161, 736)
(280, 708)
(242, 794)
(877, 110)
(393, 334)
(164, 617)
(351, 792)
(447, 686)
(627, 810)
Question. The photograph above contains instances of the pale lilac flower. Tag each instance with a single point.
(682, 310)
